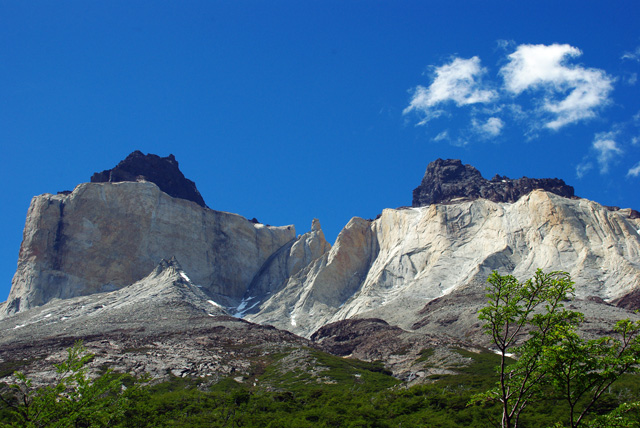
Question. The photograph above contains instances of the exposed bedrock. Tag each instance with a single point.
(104, 236)
(447, 180)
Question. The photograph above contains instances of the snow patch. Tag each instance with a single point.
(243, 307)
(214, 304)
(508, 355)
(293, 321)
(19, 326)
(185, 277)
(47, 316)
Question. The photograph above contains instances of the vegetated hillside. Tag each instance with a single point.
(304, 387)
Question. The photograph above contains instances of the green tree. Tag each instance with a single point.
(73, 400)
(582, 370)
(529, 321)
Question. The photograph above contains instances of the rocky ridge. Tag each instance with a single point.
(162, 325)
(391, 267)
(448, 180)
(163, 172)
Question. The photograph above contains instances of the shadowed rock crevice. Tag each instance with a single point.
(447, 180)
(163, 172)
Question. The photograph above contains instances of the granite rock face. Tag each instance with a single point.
(164, 172)
(104, 236)
(281, 266)
(449, 180)
(391, 267)
(312, 297)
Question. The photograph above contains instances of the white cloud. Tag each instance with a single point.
(633, 56)
(542, 67)
(505, 44)
(458, 82)
(583, 168)
(490, 129)
(635, 171)
(444, 135)
(607, 149)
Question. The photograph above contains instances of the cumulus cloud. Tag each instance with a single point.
(635, 171)
(572, 93)
(489, 129)
(458, 82)
(607, 149)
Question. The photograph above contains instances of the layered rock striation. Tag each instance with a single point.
(448, 180)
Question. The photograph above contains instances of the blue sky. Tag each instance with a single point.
(290, 110)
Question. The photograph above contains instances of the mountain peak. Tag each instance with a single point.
(448, 179)
(162, 171)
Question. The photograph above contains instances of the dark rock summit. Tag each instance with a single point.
(447, 180)
(163, 172)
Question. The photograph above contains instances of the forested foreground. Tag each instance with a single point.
(372, 399)
(350, 393)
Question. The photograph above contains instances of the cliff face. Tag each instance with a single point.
(104, 236)
(422, 268)
(391, 267)
(449, 180)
